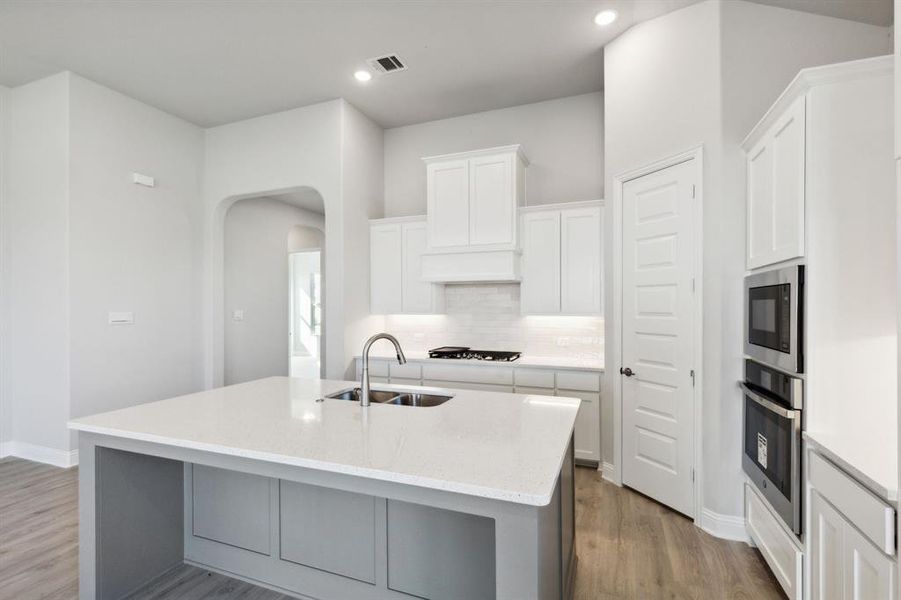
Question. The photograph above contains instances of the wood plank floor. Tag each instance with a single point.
(628, 547)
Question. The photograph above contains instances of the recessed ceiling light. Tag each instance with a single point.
(605, 17)
(363, 75)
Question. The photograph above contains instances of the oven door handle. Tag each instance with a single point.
(769, 404)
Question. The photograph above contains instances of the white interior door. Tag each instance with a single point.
(657, 321)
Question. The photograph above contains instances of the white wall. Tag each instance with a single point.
(80, 240)
(257, 235)
(705, 74)
(132, 248)
(5, 413)
(333, 149)
(362, 186)
(299, 148)
(563, 139)
(35, 265)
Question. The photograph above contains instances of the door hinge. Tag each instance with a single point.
(692, 474)
(692, 190)
(692, 373)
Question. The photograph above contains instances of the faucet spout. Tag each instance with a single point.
(364, 383)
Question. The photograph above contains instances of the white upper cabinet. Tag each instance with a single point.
(396, 284)
(776, 189)
(448, 203)
(561, 260)
(472, 198)
(418, 296)
(580, 279)
(540, 293)
(385, 267)
(492, 206)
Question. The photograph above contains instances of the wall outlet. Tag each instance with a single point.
(238, 314)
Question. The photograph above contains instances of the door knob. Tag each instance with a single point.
(627, 372)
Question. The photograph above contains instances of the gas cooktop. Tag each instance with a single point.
(466, 353)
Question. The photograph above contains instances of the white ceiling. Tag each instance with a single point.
(214, 62)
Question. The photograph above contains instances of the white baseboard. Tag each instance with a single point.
(42, 454)
(727, 527)
(608, 472)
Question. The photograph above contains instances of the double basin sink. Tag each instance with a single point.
(400, 396)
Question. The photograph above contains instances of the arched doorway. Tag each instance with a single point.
(260, 234)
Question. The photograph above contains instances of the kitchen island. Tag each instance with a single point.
(267, 482)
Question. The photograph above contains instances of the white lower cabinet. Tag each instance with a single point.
(585, 385)
(845, 563)
(587, 440)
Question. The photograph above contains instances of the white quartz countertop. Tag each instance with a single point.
(550, 362)
(507, 447)
(872, 462)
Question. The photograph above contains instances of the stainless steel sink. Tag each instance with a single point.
(418, 400)
(400, 396)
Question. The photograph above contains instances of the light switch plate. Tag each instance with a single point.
(121, 318)
(238, 314)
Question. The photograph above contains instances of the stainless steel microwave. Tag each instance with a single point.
(774, 318)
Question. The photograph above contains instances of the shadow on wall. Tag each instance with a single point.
(260, 233)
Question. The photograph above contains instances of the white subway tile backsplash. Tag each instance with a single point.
(487, 317)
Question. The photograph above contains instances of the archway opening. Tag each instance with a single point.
(265, 238)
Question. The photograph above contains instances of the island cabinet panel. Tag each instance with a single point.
(440, 554)
(232, 508)
(328, 529)
(136, 493)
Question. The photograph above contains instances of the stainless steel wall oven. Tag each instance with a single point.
(773, 403)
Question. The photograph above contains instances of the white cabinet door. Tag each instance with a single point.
(418, 296)
(540, 293)
(826, 558)
(492, 206)
(447, 201)
(580, 279)
(776, 189)
(868, 573)
(587, 433)
(385, 268)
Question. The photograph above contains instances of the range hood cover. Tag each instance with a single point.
(472, 266)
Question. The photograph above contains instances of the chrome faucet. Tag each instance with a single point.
(364, 384)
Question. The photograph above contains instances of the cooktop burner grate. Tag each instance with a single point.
(463, 352)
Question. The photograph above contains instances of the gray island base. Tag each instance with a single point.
(145, 508)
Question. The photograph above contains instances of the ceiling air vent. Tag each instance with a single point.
(387, 64)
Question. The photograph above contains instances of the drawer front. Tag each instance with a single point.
(407, 371)
(775, 544)
(462, 385)
(534, 391)
(573, 380)
(492, 375)
(874, 518)
(377, 368)
(535, 378)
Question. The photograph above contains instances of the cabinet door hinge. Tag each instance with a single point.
(692, 373)
(692, 474)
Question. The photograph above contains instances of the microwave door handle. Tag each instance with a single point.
(769, 404)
